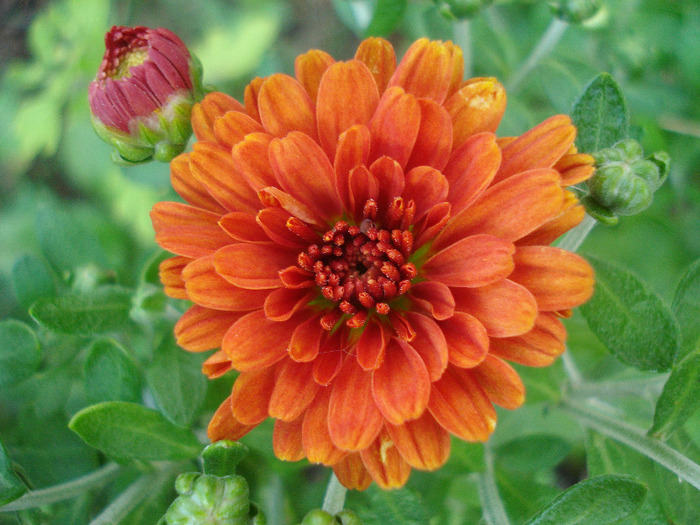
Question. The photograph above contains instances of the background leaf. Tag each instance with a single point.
(686, 306)
(598, 500)
(11, 487)
(386, 17)
(20, 355)
(110, 374)
(127, 430)
(630, 319)
(395, 507)
(600, 115)
(32, 279)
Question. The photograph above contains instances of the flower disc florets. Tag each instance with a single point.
(360, 246)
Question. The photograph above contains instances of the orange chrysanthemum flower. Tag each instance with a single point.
(368, 256)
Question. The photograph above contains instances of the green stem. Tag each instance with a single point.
(71, 489)
(491, 505)
(549, 40)
(463, 38)
(573, 239)
(334, 500)
(634, 438)
(127, 500)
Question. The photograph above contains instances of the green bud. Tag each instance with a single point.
(185, 482)
(318, 517)
(460, 9)
(209, 500)
(663, 162)
(630, 150)
(348, 517)
(607, 155)
(619, 189)
(256, 515)
(222, 457)
(575, 11)
(648, 171)
(598, 212)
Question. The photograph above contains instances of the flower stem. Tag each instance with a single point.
(463, 38)
(573, 240)
(68, 490)
(127, 500)
(634, 438)
(334, 500)
(491, 505)
(549, 40)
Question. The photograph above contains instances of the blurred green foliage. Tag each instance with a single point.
(76, 237)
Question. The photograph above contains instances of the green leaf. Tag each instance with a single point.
(600, 115)
(680, 397)
(387, 16)
(396, 507)
(533, 452)
(599, 500)
(110, 373)
(686, 306)
(127, 430)
(631, 320)
(102, 310)
(20, 355)
(177, 382)
(11, 487)
(32, 279)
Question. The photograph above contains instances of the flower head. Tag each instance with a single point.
(369, 257)
(143, 93)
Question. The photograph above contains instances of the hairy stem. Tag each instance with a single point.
(547, 43)
(491, 505)
(334, 500)
(573, 239)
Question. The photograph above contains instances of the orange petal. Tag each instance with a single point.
(371, 346)
(250, 158)
(432, 223)
(401, 386)
(306, 340)
(558, 279)
(429, 343)
(224, 426)
(294, 389)
(379, 57)
(243, 227)
(570, 215)
(362, 186)
(352, 151)
(352, 473)
(575, 167)
(275, 197)
(284, 107)
(457, 67)
(541, 147)
(435, 298)
(353, 417)
(425, 70)
(500, 382)
(251, 393)
(207, 288)
(252, 266)
(394, 126)
(505, 308)
(471, 169)
(471, 262)
(250, 97)
(233, 127)
(200, 329)
(467, 340)
(305, 172)
(423, 443)
(347, 96)
(295, 277)
(478, 106)
(212, 107)
(384, 463)
(188, 187)
(186, 230)
(461, 406)
(282, 303)
(538, 347)
(286, 440)
(426, 187)
(309, 69)
(216, 365)
(510, 209)
(254, 342)
(214, 168)
(170, 273)
(390, 180)
(273, 222)
(434, 142)
(329, 361)
(316, 440)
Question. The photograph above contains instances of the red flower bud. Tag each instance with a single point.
(143, 93)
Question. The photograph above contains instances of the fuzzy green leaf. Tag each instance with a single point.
(686, 306)
(11, 487)
(130, 431)
(110, 373)
(531, 453)
(20, 355)
(631, 320)
(396, 507)
(600, 115)
(599, 500)
(103, 310)
(32, 279)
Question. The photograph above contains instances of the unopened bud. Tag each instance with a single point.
(318, 517)
(143, 93)
(460, 9)
(575, 11)
(209, 500)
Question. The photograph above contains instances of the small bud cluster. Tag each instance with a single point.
(624, 181)
(461, 9)
(575, 11)
(321, 517)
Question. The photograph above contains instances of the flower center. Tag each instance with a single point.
(360, 268)
(125, 47)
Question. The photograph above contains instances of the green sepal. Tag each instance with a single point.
(222, 457)
(575, 11)
(209, 500)
(348, 517)
(600, 213)
(318, 517)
